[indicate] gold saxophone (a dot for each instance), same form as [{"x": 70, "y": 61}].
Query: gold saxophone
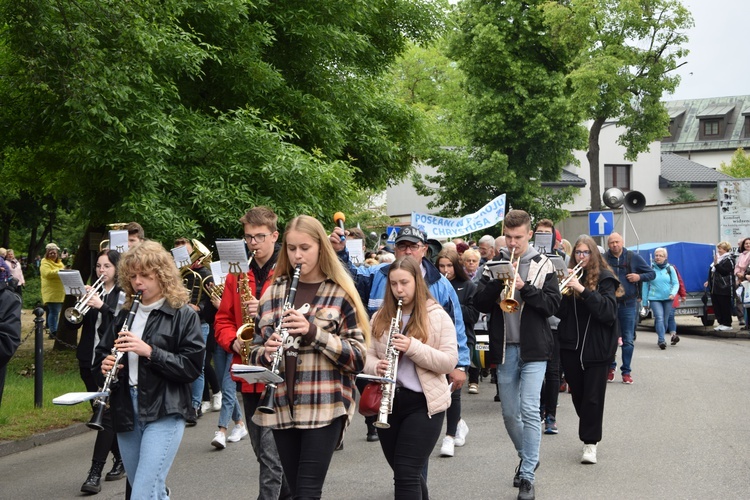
[
  {"x": 389, "y": 388},
  {"x": 246, "y": 332}
]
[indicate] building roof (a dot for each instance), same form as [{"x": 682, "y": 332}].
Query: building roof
[
  {"x": 687, "y": 115},
  {"x": 676, "y": 169},
  {"x": 567, "y": 179}
]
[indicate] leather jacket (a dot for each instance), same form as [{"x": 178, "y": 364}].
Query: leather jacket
[{"x": 164, "y": 380}]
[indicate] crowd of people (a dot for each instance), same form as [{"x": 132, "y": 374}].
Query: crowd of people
[{"x": 318, "y": 318}]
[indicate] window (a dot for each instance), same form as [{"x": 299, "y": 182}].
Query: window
[
  {"x": 617, "y": 176},
  {"x": 710, "y": 128}
]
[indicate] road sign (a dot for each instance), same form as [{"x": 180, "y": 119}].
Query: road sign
[
  {"x": 601, "y": 223},
  {"x": 392, "y": 232}
]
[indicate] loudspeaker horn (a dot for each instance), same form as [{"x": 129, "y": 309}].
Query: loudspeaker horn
[
  {"x": 635, "y": 201},
  {"x": 613, "y": 197}
]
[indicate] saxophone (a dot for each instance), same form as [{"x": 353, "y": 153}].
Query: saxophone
[
  {"x": 246, "y": 331},
  {"x": 389, "y": 388}
]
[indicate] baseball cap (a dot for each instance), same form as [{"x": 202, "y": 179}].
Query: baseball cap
[{"x": 411, "y": 234}]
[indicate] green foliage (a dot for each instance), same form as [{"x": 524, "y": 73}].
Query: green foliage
[
  {"x": 683, "y": 193},
  {"x": 739, "y": 165},
  {"x": 32, "y": 290}
]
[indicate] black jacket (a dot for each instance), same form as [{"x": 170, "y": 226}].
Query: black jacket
[
  {"x": 588, "y": 323},
  {"x": 537, "y": 343},
  {"x": 85, "y": 350},
  {"x": 721, "y": 277},
  {"x": 10, "y": 325},
  {"x": 164, "y": 381}
]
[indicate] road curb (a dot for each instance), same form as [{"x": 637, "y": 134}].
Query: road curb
[{"x": 10, "y": 447}]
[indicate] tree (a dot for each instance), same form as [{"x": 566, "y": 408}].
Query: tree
[
  {"x": 624, "y": 54},
  {"x": 521, "y": 124},
  {"x": 683, "y": 193},
  {"x": 739, "y": 165}
]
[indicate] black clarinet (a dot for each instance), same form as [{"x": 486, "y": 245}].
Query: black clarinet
[
  {"x": 102, "y": 402},
  {"x": 267, "y": 404}
]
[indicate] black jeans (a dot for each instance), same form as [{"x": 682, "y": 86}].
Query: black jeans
[
  {"x": 551, "y": 387},
  {"x": 453, "y": 413},
  {"x": 306, "y": 455},
  {"x": 407, "y": 444},
  {"x": 106, "y": 440},
  {"x": 587, "y": 389},
  {"x": 722, "y": 308}
]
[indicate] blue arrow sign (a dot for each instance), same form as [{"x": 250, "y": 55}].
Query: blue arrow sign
[{"x": 601, "y": 223}]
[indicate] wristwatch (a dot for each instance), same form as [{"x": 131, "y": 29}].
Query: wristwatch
[{"x": 462, "y": 368}]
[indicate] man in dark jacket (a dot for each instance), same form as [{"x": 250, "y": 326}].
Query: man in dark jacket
[
  {"x": 524, "y": 339},
  {"x": 630, "y": 269},
  {"x": 10, "y": 329}
]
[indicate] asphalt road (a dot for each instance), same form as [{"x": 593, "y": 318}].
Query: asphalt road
[{"x": 678, "y": 432}]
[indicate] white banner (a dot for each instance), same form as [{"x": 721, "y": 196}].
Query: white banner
[{"x": 441, "y": 227}]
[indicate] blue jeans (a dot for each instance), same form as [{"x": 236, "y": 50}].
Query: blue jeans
[
  {"x": 519, "y": 384},
  {"x": 626, "y": 315},
  {"x": 53, "y": 315},
  {"x": 671, "y": 323},
  {"x": 197, "y": 385},
  {"x": 661, "y": 310},
  {"x": 148, "y": 452},
  {"x": 229, "y": 405}
]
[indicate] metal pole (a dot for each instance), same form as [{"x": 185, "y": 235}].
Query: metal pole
[{"x": 38, "y": 355}]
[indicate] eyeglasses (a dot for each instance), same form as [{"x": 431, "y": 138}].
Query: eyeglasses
[
  {"x": 408, "y": 246},
  {"x": 259, "y": 238},
  {"x": 583, "y": 253}
]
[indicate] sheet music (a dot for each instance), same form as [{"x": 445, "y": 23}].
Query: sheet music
[
  {"x": 233, "y": 256},
  {"x": 73, "y": 398},
  {"x": 543, "y": 242},
  {"x": 560, "y": 268},
  {"x": 217, "y": 273},
  {"x": 72, "y": 282},
  {"x": 255, "y": 374},
  {"x": 356, "y": 254},
  {"x": 118, "y": 241},
  {"x": 498, "y": 270},
  {"x": 181, "y": 256}
]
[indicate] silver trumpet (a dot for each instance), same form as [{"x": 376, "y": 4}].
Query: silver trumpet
[
  {"x": 389, "y": 388},
  {"x": 76, "y": 313},
  {"x": 577, "y": 272}
]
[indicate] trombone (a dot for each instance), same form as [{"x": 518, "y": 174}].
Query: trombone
[
  {"x": 576, "y": 272},
  {"x": 76, "y": 313},
  {"x": 509, "y": 304}
]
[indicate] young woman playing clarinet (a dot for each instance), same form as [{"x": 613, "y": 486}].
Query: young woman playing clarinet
[
  {"x": 427, "y": 352},
  {"x": 325, "y": 348},
  {"x": 162, "y": 354}
]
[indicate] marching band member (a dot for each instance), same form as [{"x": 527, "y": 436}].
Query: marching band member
[
  {"x": 325, "y": 349},
  {"x": 426, "y": 343},
  {"x": 162, "y": 356}
]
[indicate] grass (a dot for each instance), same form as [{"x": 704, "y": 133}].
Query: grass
[{"x": 19, "y": 418}]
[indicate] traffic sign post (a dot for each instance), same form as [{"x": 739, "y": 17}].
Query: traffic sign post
[
  {"x": 601, "y": 223},
  {"x": 392, "y": 232}
]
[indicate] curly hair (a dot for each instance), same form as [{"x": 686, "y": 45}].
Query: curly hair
[{"x": 151, "y": 258}]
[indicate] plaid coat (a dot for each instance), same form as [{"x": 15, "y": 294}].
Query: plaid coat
[{"x": 326, "y": 367}]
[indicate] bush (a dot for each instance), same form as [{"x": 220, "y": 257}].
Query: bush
[{"x": 32, "y": 292}]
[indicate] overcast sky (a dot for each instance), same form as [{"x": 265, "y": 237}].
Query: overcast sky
[{"x": 717, "y": 65}]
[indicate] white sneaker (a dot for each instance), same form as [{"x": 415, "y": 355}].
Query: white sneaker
[
  {"x": 462, "y": 430},
  {"x": 446, "y": 450},
  {"x": 238, "y": 433},
  {"x": 216, "y": 401},
  {"x": 220, "y": 440},
  {"x": 206, "y": 406},
  {"x": 589, "y": 454}
]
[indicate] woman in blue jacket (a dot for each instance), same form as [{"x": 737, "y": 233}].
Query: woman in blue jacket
[{"x": 659, "y": 293}]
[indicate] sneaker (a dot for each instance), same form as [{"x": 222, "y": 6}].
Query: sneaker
[
  {"x": 526, "y": 490},
  {"x": 238, "y": 433},
  {"x": 662, "y": 345},
  {"x": 220, "y": 440},
  {"x": 517, "y": 477},
  {"x": 675, "y": 339},
  {"x": 725, "y": 328},
  {"x": 446, "y": 450},
  {"x": 462, "y": 430},
  {"x": 192, "y": 417},
  {"x": 216, "y": 401},
  {"x": 589, "y": 454},
  {"x": 206, "y": 407},
  {"x": 627, "y": 379},
  {"x": 473, "y": 388},
  {"x": 611, "y": 375},
  {"x": 550, "y": 425}
]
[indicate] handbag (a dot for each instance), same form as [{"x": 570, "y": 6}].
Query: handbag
[{"x": 369, "y": 400}]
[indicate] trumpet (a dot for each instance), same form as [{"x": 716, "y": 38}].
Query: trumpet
[
  {"x": 389, "y": 388},
  {"x": 509, "y": 304},
  {"x": 76, "y": 313},
  {"x": 576, "y": 272}
]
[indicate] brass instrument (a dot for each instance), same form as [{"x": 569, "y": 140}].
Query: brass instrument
[
  {"x": 389, "y": 388},
  {"x": 193, "y": 281},
  {"x": 577, "y": 271},
  {"x": 76, "y": 313},
  {"x": 117, "y": 226},
  {"x": 200, "y": 254},
  {"x": 213, "y": 290},
  {"x": 246, "y": 331},
  {"x": 100, "y": 404},
  {"x": 267, "y": 404},
  {"x": 509, "y": 304}
]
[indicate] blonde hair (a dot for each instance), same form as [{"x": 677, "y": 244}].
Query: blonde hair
[
  {"x": 151, "y": 258},
  {"x": 471, "y": 253},
  {"x": 328, "y": 262},
  {"x": 724, "y": 245}
]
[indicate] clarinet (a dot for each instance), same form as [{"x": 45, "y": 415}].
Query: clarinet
[
  {"x": 267, "y": 405},
  {"x": 102, "y": 402},
  {"x": 389, "y": 388}
]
